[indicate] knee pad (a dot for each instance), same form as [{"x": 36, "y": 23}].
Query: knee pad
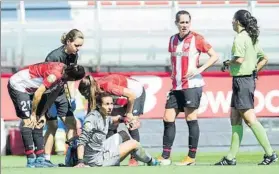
[{"x": 124, "y": 135}]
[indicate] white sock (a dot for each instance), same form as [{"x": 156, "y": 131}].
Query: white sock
[{"x": 47, "y": 157}]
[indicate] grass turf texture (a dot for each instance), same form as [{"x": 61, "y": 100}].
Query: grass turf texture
[{"x": 246, "y": 163}]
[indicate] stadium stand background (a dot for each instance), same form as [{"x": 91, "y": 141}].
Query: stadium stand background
[{"x": 123, "y": 34}]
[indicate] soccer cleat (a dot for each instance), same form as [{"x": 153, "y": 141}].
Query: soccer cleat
[
  {"x": 226, "y": 162},
  {"x": 163, "y": 161},
  {"x": 187, "y": 161},
  {"x": 42, "y": 163},
  {"x": 133, "y": 162},
  {"x": 50, "y": 163},
  {"x": 269, "y": 159},
  {"x": 30, "y": 162}
]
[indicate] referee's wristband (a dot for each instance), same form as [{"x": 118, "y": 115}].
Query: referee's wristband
[{"x": 80, "y": 161}]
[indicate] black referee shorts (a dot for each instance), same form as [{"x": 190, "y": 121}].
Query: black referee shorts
[
  {"x": 243, "y": 92},
  {"x": 63, "y": 107}
]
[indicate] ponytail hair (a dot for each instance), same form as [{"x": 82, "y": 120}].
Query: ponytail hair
[
  {"x": 250, "y": 24},
  {"x": 253, "y": 29},
  {"x": 71, "y": 36},
  {"x": 89, "y": 88}
]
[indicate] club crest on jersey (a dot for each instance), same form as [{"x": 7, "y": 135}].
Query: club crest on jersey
[
  {"x": 51, "y": 78},
  {"x": 186, "y": 45},
  {"x": 87, "y": 126}
]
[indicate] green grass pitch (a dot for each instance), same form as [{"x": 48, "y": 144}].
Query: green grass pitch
[{"x": 247, "y": 164}]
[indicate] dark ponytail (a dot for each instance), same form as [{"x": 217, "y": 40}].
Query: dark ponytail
[
  {"x": 249, "y": 23},
  {"x": 253, "y": 29}
]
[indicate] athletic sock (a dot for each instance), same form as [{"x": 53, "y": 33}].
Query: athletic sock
[
  {"x": 194, "y": 134},
  {"x": 262, "y": 138},
  {"x": 237, "y": 134},
  {"x": 27, "y": 139},
  {"x": 168, "y": 138}
]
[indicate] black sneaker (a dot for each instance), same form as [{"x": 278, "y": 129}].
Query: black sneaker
[
  {"x": 269, "y": 159},
  {"x": 48, "y": 162},
  {"x": 226, "y": 162}
]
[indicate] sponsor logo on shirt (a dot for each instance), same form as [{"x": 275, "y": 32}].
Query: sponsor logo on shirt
[
  {"x": 186, "y": 45},
  {"x": 180, "y": 54},
  {"x": 51, "y": 78}
]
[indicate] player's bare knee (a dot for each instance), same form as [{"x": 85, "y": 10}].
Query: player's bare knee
[
  {"x": 191, "y": 117},
  {"x": 169, "y": 115},
  {"x": 168, "y": 119},
  {"x": 247, "y": 123},
  {"x": 134, "y": 143},
  {"x": 26, "y": 123},
  {"x": 190, "y": 114},
  {"x": 250, "y": 122}
]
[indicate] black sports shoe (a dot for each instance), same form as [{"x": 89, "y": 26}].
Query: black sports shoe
[
  {"x": 49, "y": 163},
  {"x": 269, "y": 159},
  {"x": 226, "y": 162}
]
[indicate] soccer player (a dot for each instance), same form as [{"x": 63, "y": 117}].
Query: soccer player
[
  {"x": 185, "y": 48},
  {"x": 94, "y": 149},
  {"x": 119, "y": 85},
  {"x": 247, "y": 59},
  {"x": 67, "y": 54},
  {"x": 26, "y": 88}
]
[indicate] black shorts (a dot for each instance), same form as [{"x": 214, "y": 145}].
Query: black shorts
[
  {"x": 23, "y": 103},
  {"x": 243, "y": 92},
  {"x": 62, "y": 106},
  {"x": 138, "y": 108},
  {"x": 179, "y": 99}
]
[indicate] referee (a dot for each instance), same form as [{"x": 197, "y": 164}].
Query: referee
[{"x": 247, "y": 59}]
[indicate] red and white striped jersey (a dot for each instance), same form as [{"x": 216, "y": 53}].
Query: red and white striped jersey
[
  {"x": 185, "y": 58},
  {"x": 30, "y": 78},
  {"x": 115, "y": 84}
]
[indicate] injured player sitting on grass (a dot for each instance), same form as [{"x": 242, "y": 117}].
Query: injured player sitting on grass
[{"x": 93, "y": 149}]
